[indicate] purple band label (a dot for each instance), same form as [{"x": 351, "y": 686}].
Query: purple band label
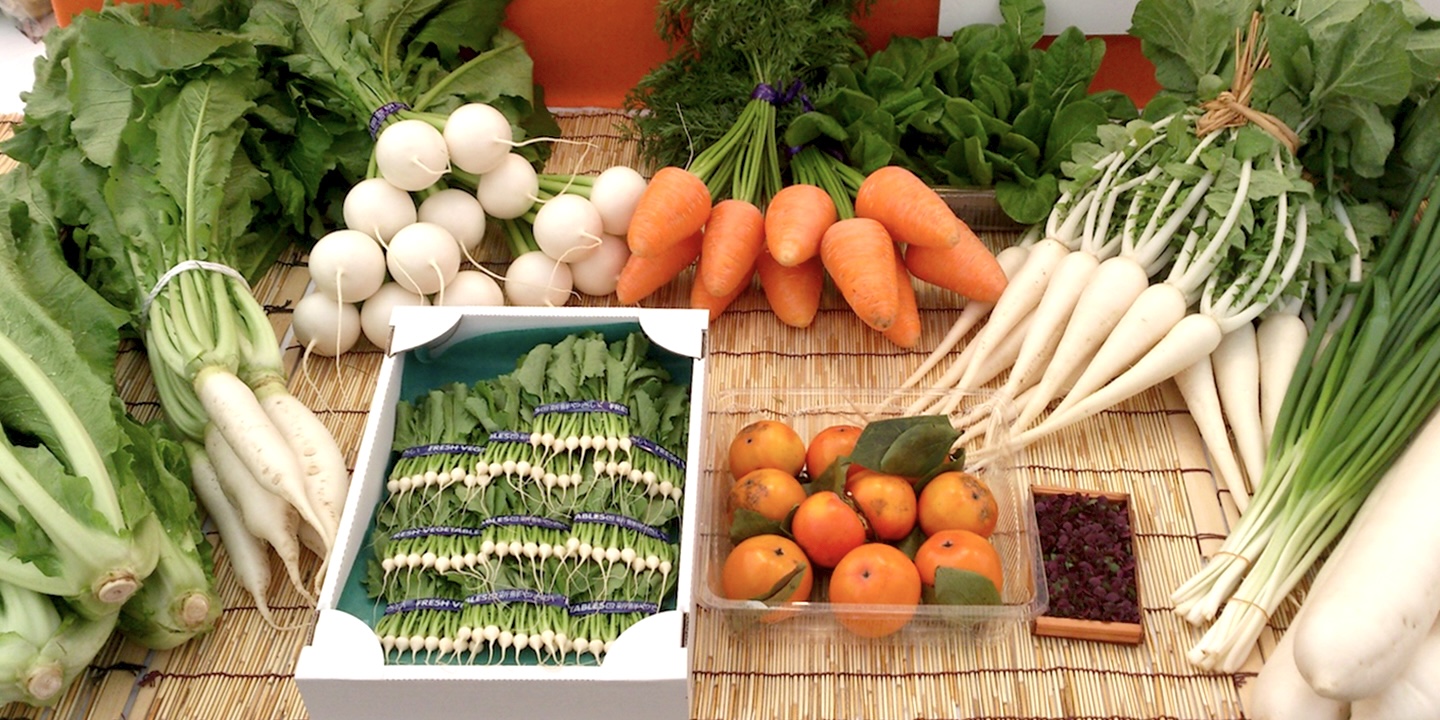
[
  {"x": 441, "y": 449},
  {"x": 435, "y": 531},
  {"x": 613, "y": 607},
  {"x": 383, "y": 113},
  {"x": 524, "y": 520},
  {"x": 419, "y": 604},
  {"x": 518, "y": 595},
  {"x": 651, "y": 447},
  {"x": 509, "y": 436},
  {"x": 583, "y": 406},
  {"x": 621, "y": 521}
]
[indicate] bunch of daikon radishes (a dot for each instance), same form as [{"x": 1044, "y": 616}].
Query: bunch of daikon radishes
[{"x": 565, "y": 232}]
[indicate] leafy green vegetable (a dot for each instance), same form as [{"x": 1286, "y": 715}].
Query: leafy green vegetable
[{"x": 983, "y": 108}]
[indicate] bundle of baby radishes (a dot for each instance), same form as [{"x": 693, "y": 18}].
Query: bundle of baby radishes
[{"x": 414, "y": 230}]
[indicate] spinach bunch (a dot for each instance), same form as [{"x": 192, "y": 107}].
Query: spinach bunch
[{"x": 983, "y": 108}]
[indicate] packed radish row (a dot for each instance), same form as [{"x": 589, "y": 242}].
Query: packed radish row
[
  {"x": 536, "y": 514},
  {"x": 414, "y": 230}
]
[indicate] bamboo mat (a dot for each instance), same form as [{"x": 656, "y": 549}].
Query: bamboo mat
[{"x": 1147, "y": 447}]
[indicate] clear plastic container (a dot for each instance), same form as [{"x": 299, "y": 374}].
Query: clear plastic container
[{"x": 809, "y": 411}]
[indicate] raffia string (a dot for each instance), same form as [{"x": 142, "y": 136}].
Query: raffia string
[{"x": 1232, "y": 107}]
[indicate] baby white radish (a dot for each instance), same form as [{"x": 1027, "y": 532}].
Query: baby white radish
[
  {"x": 325, "y": 326},
  {"x": 1197, "y": 387},
  {"x": 1414, "y": 695},
  {"x": 1280, "y": 341},
  {"x": 248, "y": 558},
  {"x": 378, "y": 209},
  {"x": 1049, "y": 318},
  {"x": 423, "y": 257},
  {"x": 615, "y": 192},
  {"x": 327, "y": 476},
  {"x": 459, "y": 213},
  {"x": 348, "y": 265},
  {"x": 1112, "y": 290},
  {"x": 235, "y": 411},
  {"x": 472, "y": 288},
  {"x": 1237, "y": 377},
  {"x": 266, "y": 515},
  {"x": 375, "y": 313},
  {"x": 411, "y": 155},
  {"x": 1021, "y": 296},
  {"x": 599, "y": 273},
  {"x": 478, "y": 137},
  {"x": 1363, "y": 627},
  {"x": 509, "y": 190},
  {"x": 536, "y": 279},
  {"x": 567, "y": 228}
]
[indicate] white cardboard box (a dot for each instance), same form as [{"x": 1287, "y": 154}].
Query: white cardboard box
[{"x": 341, "y": 673}]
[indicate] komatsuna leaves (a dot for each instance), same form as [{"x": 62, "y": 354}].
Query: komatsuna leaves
[
  {"x": 1187, "y": 39},
  {"x": 1075, "y": 122},
  {"x": 1028, "y": 203},
  {"x": 1026, "y": 18}
]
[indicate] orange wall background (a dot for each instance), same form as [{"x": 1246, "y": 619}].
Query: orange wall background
[{"x": 588, "y": 54}]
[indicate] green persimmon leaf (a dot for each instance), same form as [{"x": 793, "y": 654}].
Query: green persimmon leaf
[
  {"x": 785, "y": 587},
  {"x": 918, "y": 449},
  {"x": 954, "y": 586},
  {"x": 747, "y": 524},
  {"x": 1028, "y": 204},
  {"x": 911, "y": 543},
  {"x": 879, "y": 435}
]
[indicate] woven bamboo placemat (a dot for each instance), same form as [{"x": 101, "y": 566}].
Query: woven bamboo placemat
[{"x": 1147, "y": 447}]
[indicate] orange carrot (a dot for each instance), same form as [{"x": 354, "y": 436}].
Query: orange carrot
[
  {"x": 701, "y": 299},
  {"x": 734, "y": 237},
  {"x": 908, "y": 208},
  {"x": 969, "y": 268},
  {"x": 673, "y": 207},
  {"x": 793, "y": 292},
  {"x": 795, "y": 220},
  {"x": 642, "y": 276},
  {"x": 860, "y": 257},
  {"x": 906, "y": 330}
]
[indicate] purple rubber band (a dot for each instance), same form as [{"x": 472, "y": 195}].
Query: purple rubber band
[{"x": 379, "y": 117}]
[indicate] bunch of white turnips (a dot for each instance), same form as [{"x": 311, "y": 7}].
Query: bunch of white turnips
[{"x": 394, "y": 252}]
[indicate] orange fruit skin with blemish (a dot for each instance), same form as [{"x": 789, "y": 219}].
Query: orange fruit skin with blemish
[
  {"x": 957, "y": 500},
  {"x": 888, "y": 503},
  {"x": 766, "y": 444},
  {"x": 770, "y": 492}
]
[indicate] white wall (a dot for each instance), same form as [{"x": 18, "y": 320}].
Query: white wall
[{"x": 1097, "y": 17}]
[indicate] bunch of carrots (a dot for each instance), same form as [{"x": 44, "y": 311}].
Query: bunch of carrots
[{"x": 897, "y": 228}]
